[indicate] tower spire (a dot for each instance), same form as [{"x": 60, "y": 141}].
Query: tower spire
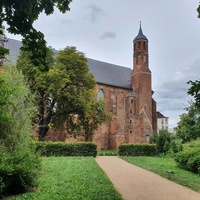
[{"x": 140, "y": 34}]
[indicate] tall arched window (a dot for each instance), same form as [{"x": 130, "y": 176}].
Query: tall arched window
[
  {"x": 139, "y": 45},
  {"x": 100, "y": 94},
  {"x": 144, "y": 46}
]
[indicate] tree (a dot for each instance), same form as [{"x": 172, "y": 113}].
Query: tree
[
  {"x": 20, "y": 17},
  {"x": 3, "y": 50},
  {"x": 194, "y": 91},
  {"x": 198, "y": 10},
  {"x": 19, "y": 165},
  {"x": 189, "y": 125},
  {"x": 64, "y": 94}
]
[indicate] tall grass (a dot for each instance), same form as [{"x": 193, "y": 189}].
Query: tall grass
[
  {"x": 74, "y": 178},
  {"x": 167, "y": 168}
]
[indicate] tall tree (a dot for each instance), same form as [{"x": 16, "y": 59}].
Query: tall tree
[
  {"x": 19, "y": 165},
  {"x": 20, "y": 16},
  {"x": 189, "y": 125},
  {"x": 194, "y": 91},
  {"x": 65, "y": 93},
  {"x": 3, "y": 50}
]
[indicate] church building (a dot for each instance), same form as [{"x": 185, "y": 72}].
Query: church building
[{"x": 127, "y": 94}]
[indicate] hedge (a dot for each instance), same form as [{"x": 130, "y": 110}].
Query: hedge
[
  {"x": 137, "y": 150},
  {"x": 189, "y": 158},
  {"x": 66, "y": 149}
]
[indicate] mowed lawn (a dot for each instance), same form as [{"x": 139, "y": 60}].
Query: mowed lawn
[
  {"x": 74, "y": 178},
  {"x": 167, "y": 168}
]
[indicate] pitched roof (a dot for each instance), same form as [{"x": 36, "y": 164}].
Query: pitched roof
[
  {"x": 109, "y": 74},
  {"x": 104, "y": 73},
  {"x": 159, "y": 115}
]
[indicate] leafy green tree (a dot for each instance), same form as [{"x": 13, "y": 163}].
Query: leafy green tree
[
  {"x": 19, "y": 165},
  {"x": 162, "y": 141},
  {"x": 198, "y": 10},
  {"x": 20, "y": 17},
  {"x": 194, "y": 91},
  {"x": 189, "y": 125},
  {"x": 166, "y": 142},
  {"x": 65, "y": 94},
  {"x": 3, "y": 50}
]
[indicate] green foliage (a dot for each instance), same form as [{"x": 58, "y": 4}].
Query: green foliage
[
  {"x": 189, "y": 158},
  {"x": 194, "y": 91},
  {"x": 66, "y": 149},
  {"x": 3, "y": 50},
  {"x": 165, "y": 142},
  {"x": 107, "y": 152},
  {"x": 20, "y": 17},
  {"x": 189, "y": 125},
  {"x": 18, "y": 171},
  {"x": 137, "y": 150},
  {"x": 65, "y": 94},
  {"x": 198, "y": 10},
  {"x": 18, "y": 163}
]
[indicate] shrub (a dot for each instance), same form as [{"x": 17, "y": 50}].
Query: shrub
[
  {"x": 66, "y": 149},
  {"x": 19, "y": 165},
  {"x": 189, "y": 157},
  {"x": 18, "y": 171},
  {"x": 137, "y": 150},
  {"x": 166, "y": 142}
]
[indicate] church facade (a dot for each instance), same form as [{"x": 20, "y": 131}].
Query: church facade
[{"x": 127, "y": 94}]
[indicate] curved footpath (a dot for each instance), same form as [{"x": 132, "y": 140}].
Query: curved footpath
[{"x": 135, "y": 183}]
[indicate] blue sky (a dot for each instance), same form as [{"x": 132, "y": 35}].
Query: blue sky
[{"x": 104, "y": 30}]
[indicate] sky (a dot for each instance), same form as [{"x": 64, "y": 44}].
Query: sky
[{"x": 104, "y": 30}]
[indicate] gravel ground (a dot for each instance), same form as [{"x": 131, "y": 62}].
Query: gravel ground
[{"x": 135, "y": 183}]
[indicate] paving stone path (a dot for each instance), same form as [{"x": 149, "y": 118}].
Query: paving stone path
[{"x": 135, "y": 183}]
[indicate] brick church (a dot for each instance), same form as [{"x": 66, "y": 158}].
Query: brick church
[{"x": 127, "y": 94}]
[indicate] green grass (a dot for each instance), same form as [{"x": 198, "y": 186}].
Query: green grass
[
  {"x": 107, "y": 152},
  {"x": 163, "y": 165},
  {"x": 74, "y": 178}
]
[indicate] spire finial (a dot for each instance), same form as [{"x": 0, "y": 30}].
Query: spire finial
[{"x": 140, "y": 34}]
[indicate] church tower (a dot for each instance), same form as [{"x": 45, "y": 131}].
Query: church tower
[{"x": 141, "y": 84}]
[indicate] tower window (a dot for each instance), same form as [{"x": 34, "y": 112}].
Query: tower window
[
  {"x": 139, "y": 45},
  {"x": 131, "y": 100},
  {"x": 144, "y": 46},
  {"x": 131, "y": 111}
]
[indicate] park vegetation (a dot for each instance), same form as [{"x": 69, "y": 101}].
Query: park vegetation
[{"x": 60, "y": 92}]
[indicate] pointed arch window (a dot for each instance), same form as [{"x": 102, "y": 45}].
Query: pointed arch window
[
  {"x": 139, "y": 45},
  {"x": 144, "y": 46},
  {"x": 100, "y": 94}
]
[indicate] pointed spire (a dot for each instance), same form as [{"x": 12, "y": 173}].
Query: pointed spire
[{"x": 140, "y": 35}]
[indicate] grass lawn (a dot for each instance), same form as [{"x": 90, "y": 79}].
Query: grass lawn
[
  {"x": 74, "y": 178},
  {"x": 163, "y": 166}
]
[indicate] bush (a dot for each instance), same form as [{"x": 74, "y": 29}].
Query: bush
[
  {"x": 166, "y": 142},
  {"x": 66, "y": 149},
  {"x": 137, "y": 150},
  {"x": 19, "y": 165},
  {"x": 189, "y": 157},
  {"x": 18, "y": 171}
]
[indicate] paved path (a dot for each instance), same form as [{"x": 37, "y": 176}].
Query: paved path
[{"x": 135, "y": 183}]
